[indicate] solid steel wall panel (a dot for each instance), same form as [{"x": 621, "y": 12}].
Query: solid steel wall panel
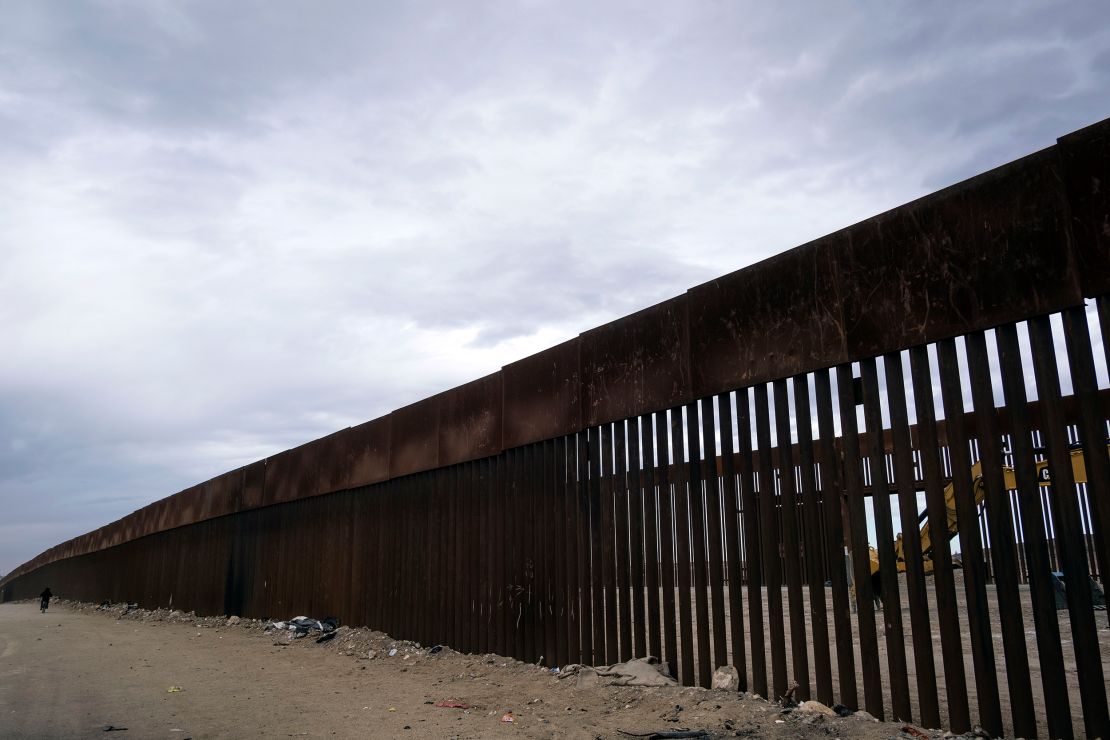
[
  {"x": 370, "y": 444},
  {"x": 1085, "y": 161},
  {"x": 638, "y": 363},
  {"x": 542, "y": 395},
  {"x": 254, "y": 485},
  {"x": 334, "y": 456},
  {"x": 470, "y": 421},
  {"x": 776, "y": 318},
  {"x": 291, "y": 475},
  {"x": 414, "y": 441},
  {"x": 968, "y": 257}
]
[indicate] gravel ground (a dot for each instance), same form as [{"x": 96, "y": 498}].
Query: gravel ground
[{"x": 80, "y": 670}]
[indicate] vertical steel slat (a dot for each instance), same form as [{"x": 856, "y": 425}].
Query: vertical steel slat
[
  {"x": 572, "y": 539},
  {"x": 667, "y": 544},
  {"x": 526, "y": 526},
  {"x": 597, "y": 561},
  {"x": 1065, "y": 515},
  {"x": 697, "y": 544},
  {"x": 621, "y": 522},
  {"x": 608, "y": 555},
  {"x": 548, "y": 530},
  {"x": 458, "y": 533},
  {"x": 1047, "y": 627},
  {"x": 924, "y": 667},
  {"x": 559, "y": 615},
  {"x": 683, "y": 555},
  {"x": 811, "y": 509},
  {"x": 713, "y": 531},
  {"x": 1003, "y": 549},
  {"x": 478, "y": 479},
  {"x": 753, "y": 560},
  {"x": 772, "y": 577},
  {"x": 535, "y": 544},
  {"x": 799, "y": 644},
  {"x": 502, "y": 524},
  {"x": 514, "y": 616},
  {"x": 1092, "y": 432},
  {"x": 651, "y": 537},
  {"x": 731, "y": 526},
  {"x": 857, "y": 534},
  {"x": 490, "y": 535},
  {"x": 446, "y": 558},
  {"x": 884, "y": 532},
  {"x": 585, "y": 578},
  {"x": 951, "y": 644},
  {"x": 636, "y": 530},
  {"x": 982, "y": 645},
  {"x": 573, "y": 554}
]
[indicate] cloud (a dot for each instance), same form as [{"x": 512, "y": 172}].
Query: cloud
[{"x": 228, "y": 229}]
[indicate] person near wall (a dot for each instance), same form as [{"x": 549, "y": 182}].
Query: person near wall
[{"x": 44, "y": 599}]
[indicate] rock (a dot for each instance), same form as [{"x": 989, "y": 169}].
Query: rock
[
  {"x": 725, "y": 678},
  {"x": 815, "y": 707},
  {"x": 863, "y": 716},
  {"x": 372, "y": 654},
  {"x": 232, "y": 620}
]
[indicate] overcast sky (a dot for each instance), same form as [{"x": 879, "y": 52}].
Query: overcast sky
[{"x": 229, "y": 228}]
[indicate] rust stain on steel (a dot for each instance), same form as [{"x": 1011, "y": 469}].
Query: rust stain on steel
[
  {"x": 470, "y": 421},
  {"x": 542, "y": 397},
  {"x": 415, "y": 437},
  {"x": 290, "y": 475},
  {"x": 254, "y": 484},
  {"x": 1085, "y": 160},
  {"x": 223, "y": 494},
  {"x": 369, "y": 444},
  {"x": 968, "y": 257},
  {"x": 776, "y": 318},
  {"x": 334, "y": 456},
  {"x": 635, "y": 364}
]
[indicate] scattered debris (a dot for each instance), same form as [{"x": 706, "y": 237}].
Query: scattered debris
[
  {"x": 452, "y": 704},
  {"x": 911, "y": 730},
  {"x": 508, "y": 717},
  {"x": 667, "y": 734},
  {"x": 301, "y": 626},
  {"x": 816, "y": 707},
  {"x": 726, "y": 678},
  {"x": 174, "y": 690},
  {"x": 113, "y": 728},
  {"x": 647, "y": 671}
]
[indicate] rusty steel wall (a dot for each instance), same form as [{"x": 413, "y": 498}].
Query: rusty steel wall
[
  {"x": 1024, "y": 239},
  {"x": 683, "y": 481}
]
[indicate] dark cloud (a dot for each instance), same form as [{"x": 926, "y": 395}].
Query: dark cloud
[{"x": 228, "y": 228}]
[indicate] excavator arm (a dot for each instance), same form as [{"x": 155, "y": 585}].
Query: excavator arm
[{"x": 1079, "y": 471}]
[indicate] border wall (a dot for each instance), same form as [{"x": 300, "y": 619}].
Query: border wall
[{"x": 701, "y": 480}]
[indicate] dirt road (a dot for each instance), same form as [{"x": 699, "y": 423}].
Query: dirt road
[{"x": 73, "y": 672}]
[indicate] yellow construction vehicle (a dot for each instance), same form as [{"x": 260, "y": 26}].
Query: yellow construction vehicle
[{"x": 1078, "y": 469}]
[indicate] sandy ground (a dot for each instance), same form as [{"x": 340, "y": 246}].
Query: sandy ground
[
  {"x": 1025, "y": 598},
  {"x": 75, "y": 671}
]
